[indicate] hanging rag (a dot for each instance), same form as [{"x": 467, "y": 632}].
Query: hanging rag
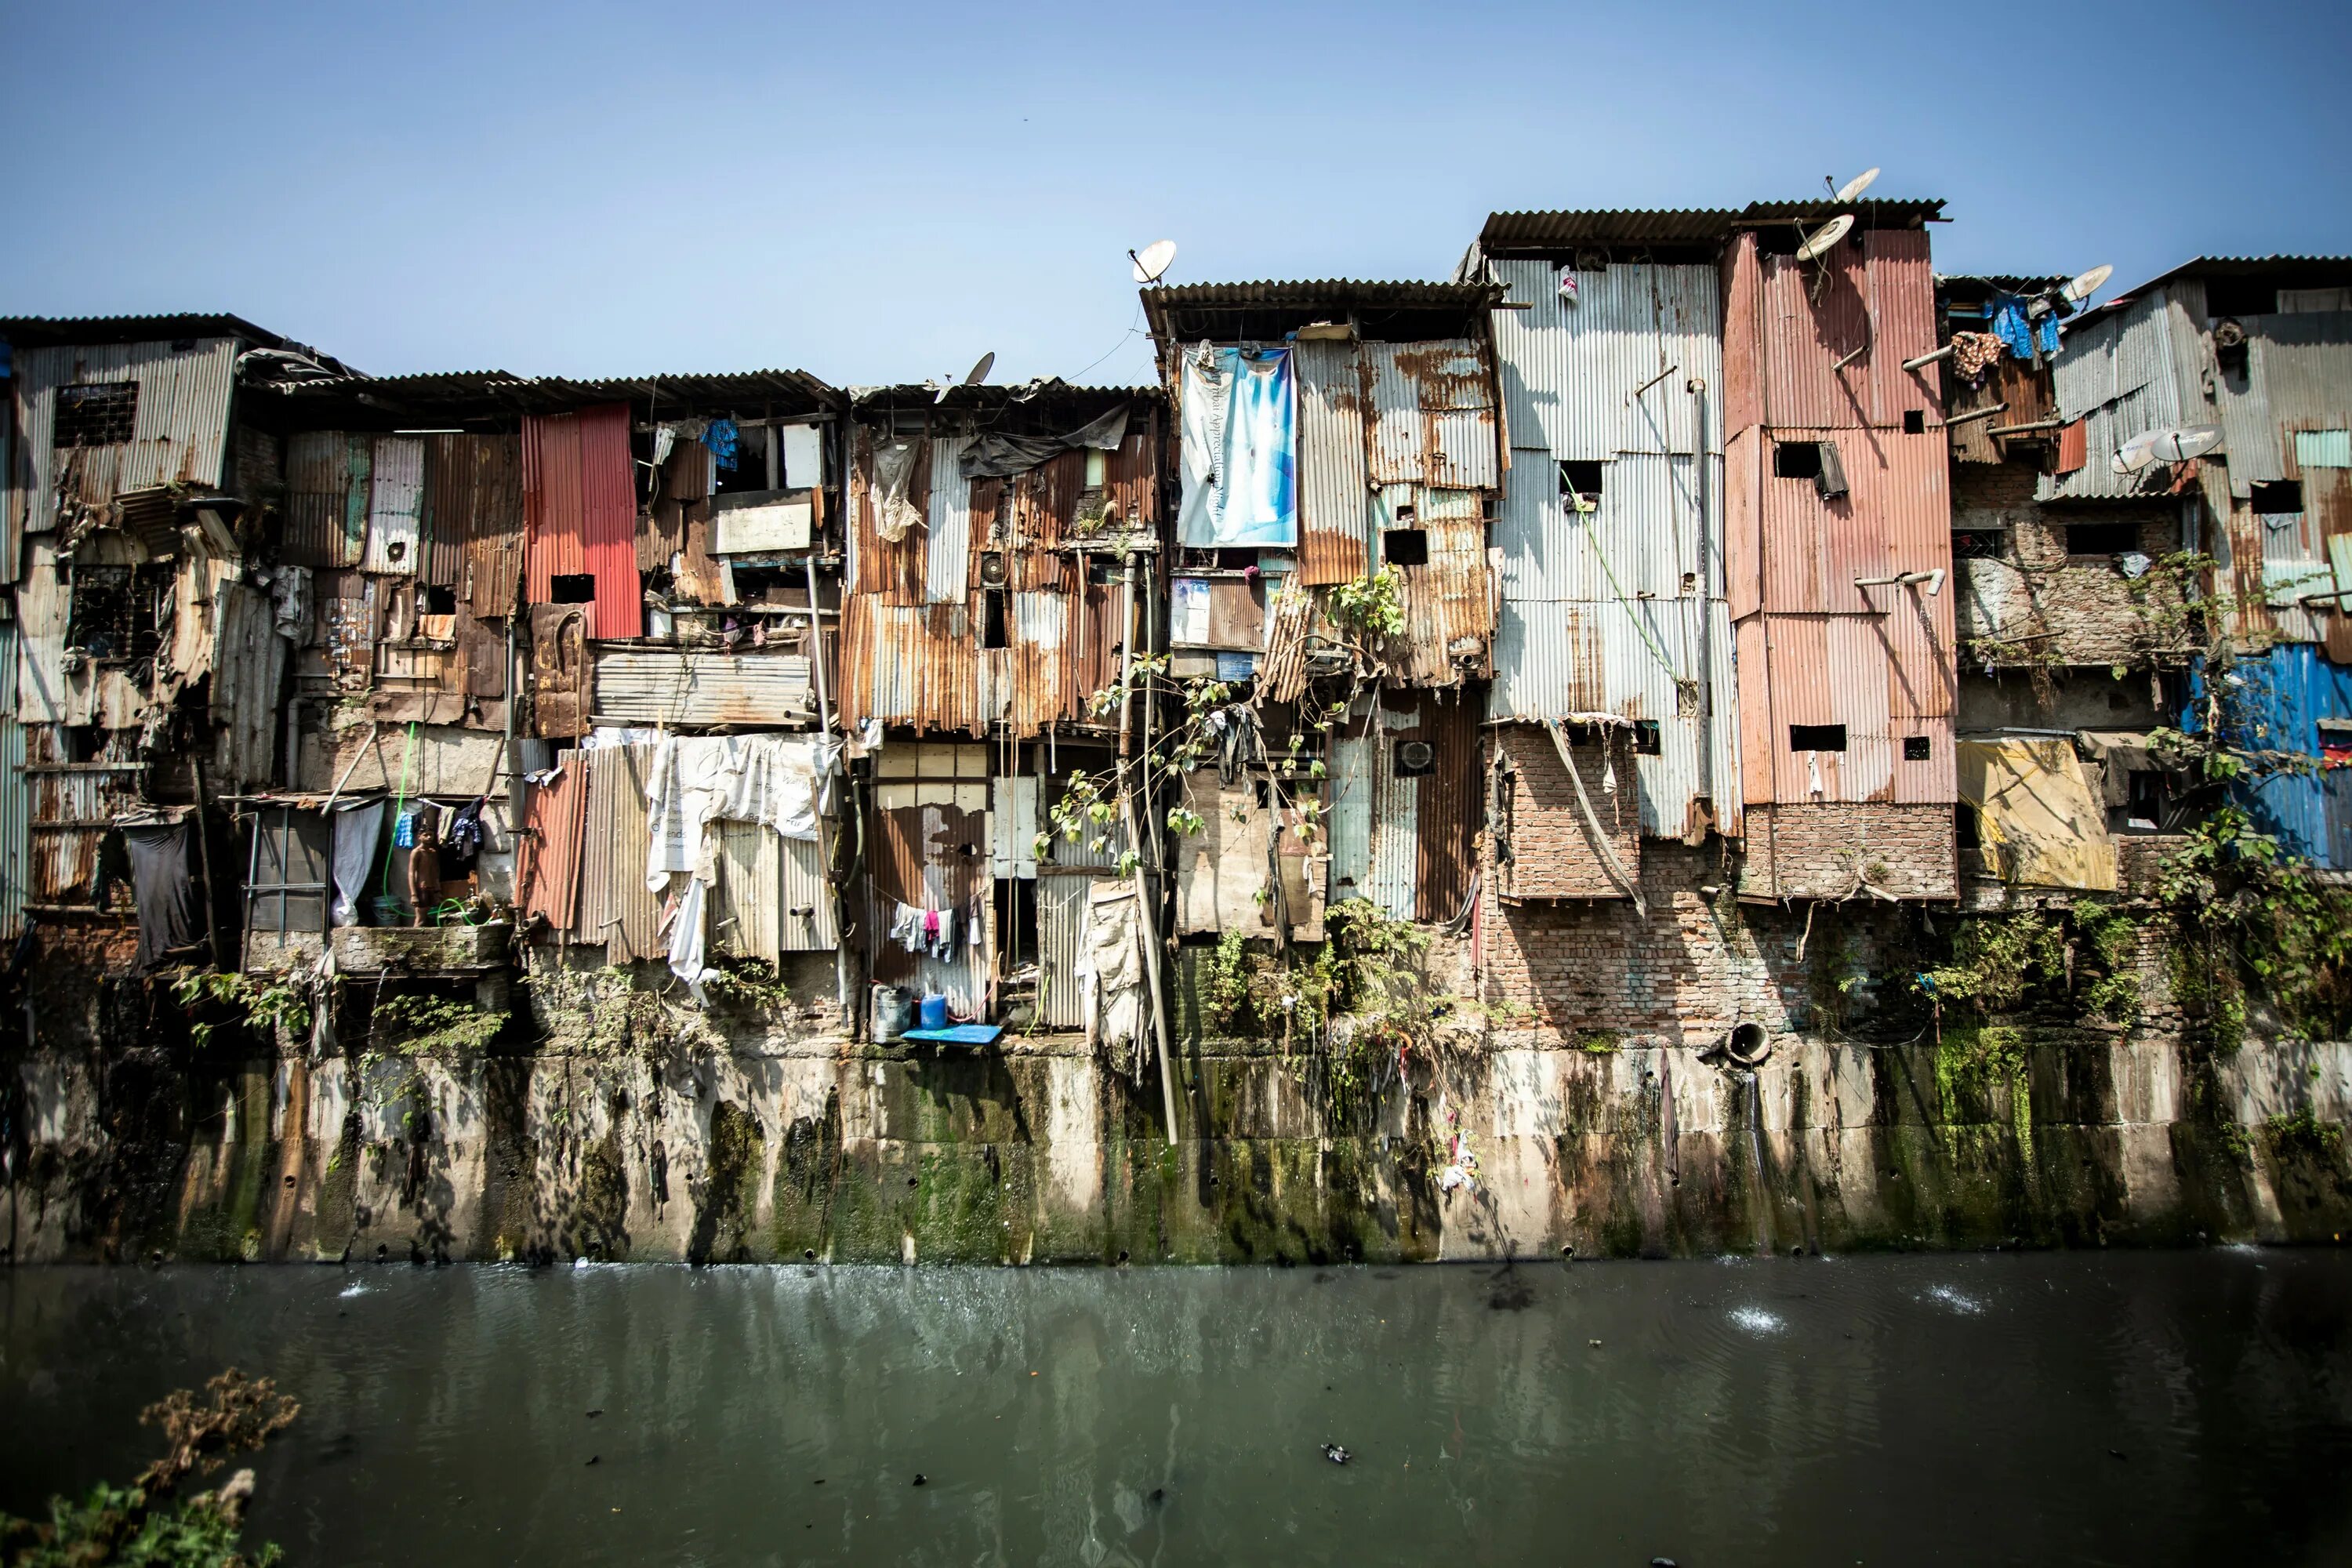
[
  {"x": 1973, "y": 353},
  {"x": 990, "y": 456},
  {"x": 1110, "y": 973},
  {"x": 1238, "y": 455},
  {"x": 2013, "y": 326},
  {"x": 358, "y": 826},
  {"x": 1830, "y": 483},
  {"x": 466, "y": 835},
  {"x": 906, "y": 927},
  {"x": 724, "y": 441},
  {"x": 169, "y": 919},
  {"x": 895, "y": 463}
]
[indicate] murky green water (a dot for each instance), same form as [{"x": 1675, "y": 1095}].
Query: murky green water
[{"x": 2129, "y": 1409}]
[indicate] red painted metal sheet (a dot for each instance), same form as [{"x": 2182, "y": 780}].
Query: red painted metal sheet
[
  {"x": 555, "y": 821},
  {"x": 1871, "y": 308},
  {"x": 580, "y": 512},
  {"x": 892, "y": 573},
  {"x": 1744, "y": 457},
  {"x": 615, "y": 907},
  {"x": 1896, "y": 518},
  {"x": 1448, "y": 816},
  {"x": 1743, "y": 337}
]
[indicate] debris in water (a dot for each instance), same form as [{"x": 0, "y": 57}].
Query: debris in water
[
  {"x": 1662, "y": 1563},
  {"x": 1159, "y": 1496},
  {"x": 592, "y": 1458},
  {"x": 595, "y": 1413},
  {"x": 1336, "y": 1454},
  {"x": 921, "y": 1478},
  {"x": 1594, "y": 1343}
]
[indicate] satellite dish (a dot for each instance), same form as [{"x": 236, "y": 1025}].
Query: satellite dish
[
  {"x": 979, "y": 371},
  {"x": 1828, "y": 235},
  {"x": 1153, "y": 260},
  {"x": 2088, "y": 284},
  {"x": 2135, "y": 454},
  {"x": 2183, "y": 442},
  {"x": 1856, "y": 185}
]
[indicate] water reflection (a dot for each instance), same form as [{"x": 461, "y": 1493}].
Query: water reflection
[{"x": 2141, "y": 1408}]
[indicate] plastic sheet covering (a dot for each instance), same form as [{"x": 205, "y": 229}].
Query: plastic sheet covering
[
  {"x": 2042, "y": 825},
  {"x": 1239, "y": 449},
  {"x": 1110, "y": 973}
]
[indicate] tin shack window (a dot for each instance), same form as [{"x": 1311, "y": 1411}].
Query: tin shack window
[
  {"x": 287, "y": 889},
  {"x": 94, "y": 413},
  {"x": 115, "y": 610}
]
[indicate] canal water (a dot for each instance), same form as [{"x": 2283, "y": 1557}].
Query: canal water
[{"x": 2038, "y": 1408}]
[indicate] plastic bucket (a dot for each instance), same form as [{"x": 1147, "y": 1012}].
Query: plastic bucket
[{"x": 935, "y": 1012}]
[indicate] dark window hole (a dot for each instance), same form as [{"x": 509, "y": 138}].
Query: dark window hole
[
  {"x": 1406, "y": 547},
  {"x": 1817, "y": 737},
  {"x": 1646, "y": 739},
  {"x": 1916, "y": 749},
  {"x": 1797, "y": 460},
  {"x": 2276, "y": 498},
  {"x": 94, "y": 413},
  {"x": 2101, "y": 538},
  {"x": 571, "y": 588},
  {"x": 993, "y": 607},
  {"x": 1915, "y": 422}
]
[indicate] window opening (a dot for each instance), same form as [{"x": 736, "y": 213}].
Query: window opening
[
  {"x": 1817, "y": 737},
  {"x": 1406, "y": 547},
  {"x": 1977, "y": 543},
  {"x": 1580, "y": 483},
  {"x": 1915, "y": 422},
  {"x": 2101, "y": 538},
  {"x": 2277, "y": 498},
  {"x": 1916, "y": 749},
  {"x": 1795, "y": 459},
  {"x": 571, "y": 588},
  {"x": 1647, "y": 740},
  {"x": 94, "y": 413},
  {"x": 439, "y": 601},
  {"x": 2240, "y": 296},
  {"x": 993, "y": 619}
]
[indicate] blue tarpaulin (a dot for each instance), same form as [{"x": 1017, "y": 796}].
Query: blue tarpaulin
[
  {"x": 1240, "y": 450},
  {"x": 2274, "y": 703}
]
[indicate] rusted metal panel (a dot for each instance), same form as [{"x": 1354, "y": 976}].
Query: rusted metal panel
[
  {"x": 248, "y": 672},
  {"x": 318, "y": 496},
  {"x": 1222, "y": 871},
  {"x": 71, "y": 808},
  {"x": 1555, "y": 849},
  {"x": 474, "y": 507},
  {"x": 743, "y": 910},
  {"x": 1896, "y": 518},
  {"x": 1647, "y": 535},
  {"x": 1431, "y": 417},
  {"x": 1449, "y": 602},
  {"x": 684, "y": 493},
  {"x": 560, "y": 672},
  {"x": 1610, "y": 370},
  {"x": 1814, "y": 671},
  {"x": 1446, "y": 814},
  {"x": 617, "y": 908},
  {"x": 695, "y": 689},
  {"x": 895, "y": 573},
  {"x": 580, "y": 512},
  {"x": 15, "y": 797},
  {"x": 177, "y": 429},
  {"x": 555, "y": 821},
  {"x": 807, "y": 919},
  {"x": 2025, "y": 396},
  {"x": 1044, "y": 513},
  {"x": 911, "y": 664},
  {"x": 1335, "y": 498},
  {"x": 395, "y": 506},
  {"x": 44, "y": 605}
]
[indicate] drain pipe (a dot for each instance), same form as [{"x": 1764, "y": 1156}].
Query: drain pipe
[{"x": 841, "y": 986}]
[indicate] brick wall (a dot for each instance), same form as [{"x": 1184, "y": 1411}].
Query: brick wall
[
  {"x": 2053, "y": 607},
  {"x": 1829, "y": 850},
  {"x": 1552, "y": 851},
  {"x": 1683, "y": 974}
]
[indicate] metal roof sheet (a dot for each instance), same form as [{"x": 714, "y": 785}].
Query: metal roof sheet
[
  {"x": 1607, "y": 226},
  {"x": 49, "y": 332},
  {"x": 1271, "y": 308}
]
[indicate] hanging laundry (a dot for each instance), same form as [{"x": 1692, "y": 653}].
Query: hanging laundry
[
  {"x": 895, "y": 463},
  {"x": 171, "y": 920},
  {"x": 1239, "y": 449},
  {"x": 2015, "y": 326},
  {"x": 1973, "y": 353},
  {"x": 724, "y": 441}
]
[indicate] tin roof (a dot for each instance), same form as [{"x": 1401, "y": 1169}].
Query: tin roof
[
  {"x": 499, "y": 393},
  {"x": 1401, "y": 311},
  {"x": 1606, "y": 227},
  {"x": 58, "y": 332}
]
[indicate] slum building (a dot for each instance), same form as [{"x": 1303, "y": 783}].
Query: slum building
[
  {"x": 2074, "y": 628},
  {"x": 2256, "y": 347},
  {"x": 541, "y": 610},
  {"x": 1003, "y": 546},
  {"x": 1838, "y": 514},
  {"x": 1340, "y": 465},
  {"x": 152, "y": 628}
]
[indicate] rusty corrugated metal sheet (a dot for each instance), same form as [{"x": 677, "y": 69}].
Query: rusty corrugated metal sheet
[
  {"x": 179, "y": 430},
  {"x": 474, "y": 520},
  {"x": 1876, "y": 303},
  {"x": 2024, "y": 394},
  {"x": 2116, "y": 372},
  {"x": 916, "y": 853},
  {"x": 72, "y": 808},
  {"x": 1847, "y": 671},
  {"x": 910, "y": 664},
  {"x": 1448, "y": 814},
  {"x": 248, "y": 672},
  {"x": 1335, "y": 501},
  {"x": 1061, "y": 932},
  {"x": 617, "y": 908},
  {"x": 743, "y": 912},
  {"x": 580, "y": 512},
  {"x": 319, "y": 473},
  {"x": 948, "y": 570},
  {"x": 1430, "y": 407},
  {"x": 395, "y": 514},
  {"x": 693, "y": 689},
  {"x": 1801, "y": 554},
  {"x": 1448, "y": 602},
  {"x": 554, "y": 823},
  {"x": 892, "y": 573},
  {"x": 15, "y": 797}
]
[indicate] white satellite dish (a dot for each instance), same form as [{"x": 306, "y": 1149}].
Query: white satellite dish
[
  {"x": 2182, "y": 442},
  {"x": 1856, "y": 185},
  {"x": 979, "y": 371},
  {"x": 1828, "y": 235},
  {"x": 2088, "y": 284},
  {"x": 2135, "y": 454},
  {"x": 1153, "y": 260}
]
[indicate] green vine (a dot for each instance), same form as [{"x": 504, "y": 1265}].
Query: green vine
[{"x": 272, "y": 1007}]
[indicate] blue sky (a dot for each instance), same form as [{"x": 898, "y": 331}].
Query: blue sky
[{"x": 881, "y": 194}]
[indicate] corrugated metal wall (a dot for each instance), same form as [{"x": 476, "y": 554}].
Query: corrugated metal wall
[
  {"x": 474, "y": 518},
  {"x": 693, "y": 689},
  {"x": 947, "y": 547},
  {"x": 1432, "y": 415},
  {"x": 2116, "y": 373},
  {"x": 322, "y": 468},
  {"x": 178, "y": 432},
  {"x": 580, "y": 512},
  {"x": 1874, "y": 309},
  {"x": 2276, "y": 703},
  {"x": 15, "y": 797},
  {"x": 617, "y": 908},
  {"x": 554, "y": 823},
  {"x": 1569, "y": 372},
  {"x": 1335, "y": 501},
  {"x": 395, "y": 513},
  {"x": 1061, "y": 935}
]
